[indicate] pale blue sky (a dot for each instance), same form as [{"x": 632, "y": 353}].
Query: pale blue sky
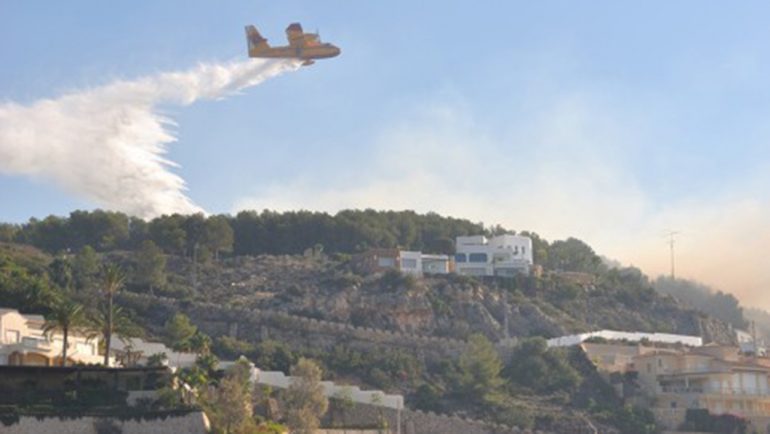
[
  {"x": 659, "y": 108},
  {"x": 692, "y": 70}
]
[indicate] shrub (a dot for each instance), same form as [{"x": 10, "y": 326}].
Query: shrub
[
  {"x": 535, "y": 367},
  {"x": 230, "y": 348}
]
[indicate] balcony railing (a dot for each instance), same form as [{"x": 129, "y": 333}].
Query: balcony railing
[
  {"x": 715, "y": 391},
  {"x": 37, "y": 343}
]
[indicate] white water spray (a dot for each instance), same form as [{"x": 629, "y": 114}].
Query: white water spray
[{"x": 108, "y": 143}]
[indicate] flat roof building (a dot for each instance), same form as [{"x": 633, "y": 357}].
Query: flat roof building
[
  {"x": 503, "y": 255},
  {"x": 406, "y": 261}
]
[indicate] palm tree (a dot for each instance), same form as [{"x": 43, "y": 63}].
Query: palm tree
[
  {"x": 112, "y": 282},
  {"x": 199, "y": 343},
  {"x": 64, "y": 316},
  {"x": 122, "y": 324}
]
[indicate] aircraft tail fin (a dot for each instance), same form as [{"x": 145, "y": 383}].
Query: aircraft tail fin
[{"x": 255, "y": 40}]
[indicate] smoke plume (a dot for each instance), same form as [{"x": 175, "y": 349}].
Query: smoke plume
[{"x": 108, "y": 143}]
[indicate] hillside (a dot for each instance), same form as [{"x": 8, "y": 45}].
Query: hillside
[
  {"x": 419, "y": 337},
  {"x": 449, "y": 306}
]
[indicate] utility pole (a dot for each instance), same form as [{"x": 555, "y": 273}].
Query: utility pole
[
  {"x": 671, "y": 241},
  {"x": 506, "y": 333}
]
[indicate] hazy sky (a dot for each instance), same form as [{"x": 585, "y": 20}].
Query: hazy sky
[{"x": 606, "y": 121}]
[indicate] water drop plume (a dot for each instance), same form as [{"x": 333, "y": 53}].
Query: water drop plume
[{"x": 108, "y": 144}]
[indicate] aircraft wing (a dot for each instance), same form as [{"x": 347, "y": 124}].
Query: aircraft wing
[{"x": 295, "y": 35}]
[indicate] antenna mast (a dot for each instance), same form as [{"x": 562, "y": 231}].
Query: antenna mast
[{"x": 671, "y": 241}]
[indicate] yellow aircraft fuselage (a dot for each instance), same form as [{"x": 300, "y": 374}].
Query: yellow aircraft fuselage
[
  {"x": 302, "y": 46},
  {"x": 322, "y": 51}
]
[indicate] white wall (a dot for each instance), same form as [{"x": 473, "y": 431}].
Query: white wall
[
  {"x": 471, "y": 240},
  {"x": 566, "y": 341},
  {"x": 195, "y": 422},
  {"x": 174, "y": 359},
  {"x": 374, "y": 397},
  {"x": 411, "y": 262},
  {"x": 12, "y": 323}
]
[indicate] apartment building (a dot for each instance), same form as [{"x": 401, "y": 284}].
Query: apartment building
[
  {"x": 676, "y": 378},
  {"x": 716, "y": 378},
  {"x": 22, "y": 342},
  {"x": 503, "y": 255}
]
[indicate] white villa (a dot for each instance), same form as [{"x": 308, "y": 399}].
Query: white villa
[
  {"x": 377, "y": 398},
  {"x": 137, "y": 352},
  {"x": 504, "y": 255},
  {"x": 22, "y": 342},
  {"x": 408, "y": 262}
]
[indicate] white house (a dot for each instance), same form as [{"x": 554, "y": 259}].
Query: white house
[
  {"x": 436, "y": 264},
  {"x": 373, "y": 397},
  {"x": 503, "y": 255},
  {"x": 408, "y": 262},
  {"x": 411, "y": 262},
  {"x": 22, "y": 342},
  {"x": 135, "y": 351}
]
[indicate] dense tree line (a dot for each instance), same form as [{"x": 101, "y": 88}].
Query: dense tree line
[
  {"x": 247, "y": 233},
  {"x": 276, "y": 233},
  {"x": 715, "y": 303},
  {"x": 105, "y": 231},
  {"x": 569, "y": 255},
  {"x": 347, "y": 232}
]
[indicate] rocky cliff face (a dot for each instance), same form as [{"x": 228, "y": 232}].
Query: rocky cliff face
[{"x": 448, "y": 306}]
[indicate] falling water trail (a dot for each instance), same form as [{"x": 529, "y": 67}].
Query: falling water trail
[{"x": 108, "y": 144}]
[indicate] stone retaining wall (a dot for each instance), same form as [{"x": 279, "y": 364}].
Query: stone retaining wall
[
  {"x": 415, "y": 421},
  {"x": 255, "y": 325},
  {"x": 195, "y": 423}
]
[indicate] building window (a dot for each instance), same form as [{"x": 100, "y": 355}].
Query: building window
[
  {"x": 386, "y": 262},
  {"x": 477, "y": 257},
  {"x": 460, "y": 257},
  {"x": 409, "y": 263},
  {"x": 85, "y": 349},
  {"x": 12, "y": 336}
]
